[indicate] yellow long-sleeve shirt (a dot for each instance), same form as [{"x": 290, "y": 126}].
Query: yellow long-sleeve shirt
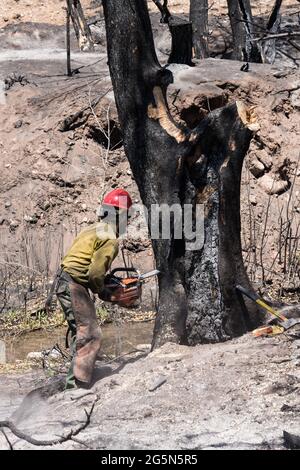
[{"x": 91, "y": 255}]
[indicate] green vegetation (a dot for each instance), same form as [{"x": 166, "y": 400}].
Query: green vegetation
[{"x": 17, "y": 322}]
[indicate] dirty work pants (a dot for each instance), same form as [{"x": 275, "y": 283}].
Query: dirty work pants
[{"x": 80, "y": 313}]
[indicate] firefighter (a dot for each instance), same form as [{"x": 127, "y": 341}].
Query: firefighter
[{"x": 84, "y": 267}]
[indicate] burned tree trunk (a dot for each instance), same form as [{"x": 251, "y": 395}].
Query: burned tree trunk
[
  {"x": 182, "y": 42},
  {"x": 174, "y": 165},
  {"x": 268, "y": 48},
  {"x": 68, "y": 44},
  {"x": 181, "y": 33},
  {"x": 238, "y": 32},
  {"x": 241, "y": 20},
  {"x": 214, "y": 271},
  {"x": 80, "y": 25},
  {"x": 199, "y": 20}
]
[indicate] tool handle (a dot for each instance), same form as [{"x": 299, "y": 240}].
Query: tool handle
[
  {"x": 124, "y": 270},
  {"x": 251, "y": 295}
]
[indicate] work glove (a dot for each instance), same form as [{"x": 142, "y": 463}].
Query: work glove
[{"x": 107, "y": 295}]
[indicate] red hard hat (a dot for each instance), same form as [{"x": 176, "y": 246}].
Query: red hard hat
[{"x": 118, "y": 198}]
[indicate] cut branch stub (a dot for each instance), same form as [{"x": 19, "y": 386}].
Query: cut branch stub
[
  {"x": 182, "y": 42},
  {"x": 181, "y": 33},
  {"x": 160, "y": 113}
]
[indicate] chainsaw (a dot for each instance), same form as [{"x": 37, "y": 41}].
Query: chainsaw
[{"x": 125, "y": 290}]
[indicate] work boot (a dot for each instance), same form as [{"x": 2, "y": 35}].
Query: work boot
[{"x": 79, "y": 384}]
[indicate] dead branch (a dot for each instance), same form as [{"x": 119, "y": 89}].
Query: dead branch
[
  {"x": 291, "y": 34},
  {"x": 81, "y": 27},
  {"x": 36, "y": 442},
  {"x": 7, "y": 440},
  {"x": 164, "y": 10},
  {"x": 274, "y": 16},
  {"x": 294, "y": 44}
]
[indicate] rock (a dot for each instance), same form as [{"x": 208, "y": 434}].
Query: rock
[
  {"x": 273, "y": 186},
  {"x": 54, "y": 355},
  {"x": 44, "y": 205},
  {"x": 256, "y": 167},
  {"x": 145, "y": 347},
  {"x": 7, "y": 204},
  {"x": 280, "y": 74},
  {"x": 32, "y": 219},
  {"x": 18, "y": 123},
  {"x": 158, "y": 382},
  {"x": 13, "y": 224},
  {"x": 35, "y": 356},
  {"x": 148, "y": 413},
  {"x": 265, "y": 159},
  {"x": 252, "y": 199}
]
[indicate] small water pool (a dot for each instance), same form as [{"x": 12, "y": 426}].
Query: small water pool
[{"x": 117, "y": 339}]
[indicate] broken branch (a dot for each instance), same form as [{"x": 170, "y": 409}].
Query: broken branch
[
  {"x": 292, "y": 34},
  {"x": 36, "y": 442}
]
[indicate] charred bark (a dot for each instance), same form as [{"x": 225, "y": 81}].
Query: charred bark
[
  {"x": 268, "y": 48},
  {"x": 164, "y": 10},
  {"x": 80, "y": 25},
  {"x": 238, "y": 33},
  {"x": 174, "y": 165},
  {"x": 182, "y": 42},
  {"x": 181, "y": 33},
  {"x": 199, "y": 20},
  {"x": 241, "y": 20},
  {"x": 219, "y": 313},
  {"x": 68, "y": 43}
]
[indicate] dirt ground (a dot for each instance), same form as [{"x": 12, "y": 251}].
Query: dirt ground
[
  {"x": 241, "y": 394},
  {"x": 52, "y": 11}
]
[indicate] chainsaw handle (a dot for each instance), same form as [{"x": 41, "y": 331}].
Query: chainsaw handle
[
  {"x": 251, "y": 295},
  {"x": 124, "y": 270}
]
